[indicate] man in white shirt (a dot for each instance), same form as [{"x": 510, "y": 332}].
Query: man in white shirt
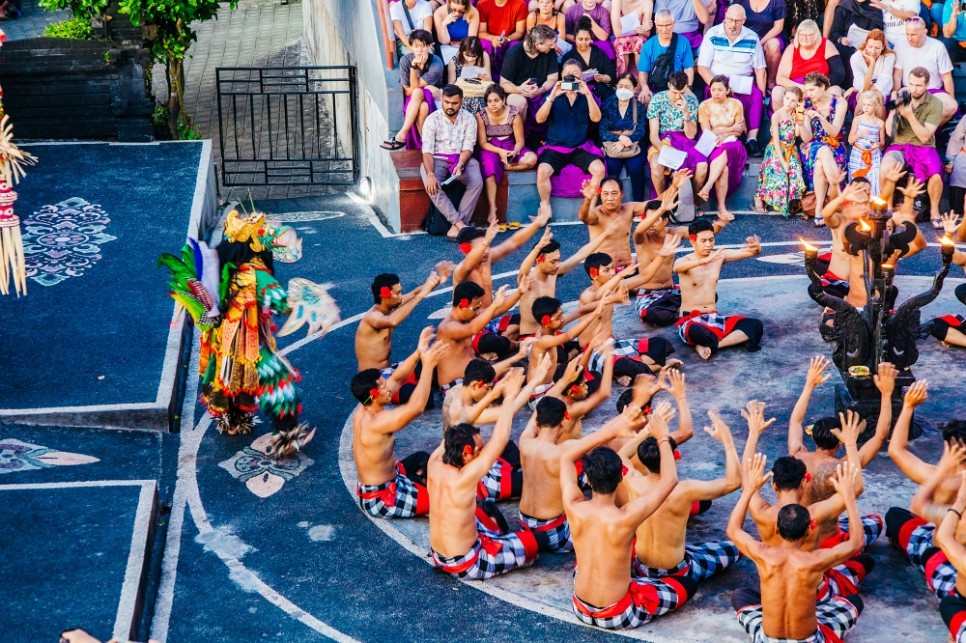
[
  {"x": 920, "y": 50},
  {"x": 449, "y": 138},
  {"x": 733, "y": 50},
  {"x": 406, "y": 17},
  {"x": 894, "y": 16}
]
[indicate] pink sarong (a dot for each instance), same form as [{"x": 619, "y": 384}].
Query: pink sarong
[{"x": 414, "y": 141}]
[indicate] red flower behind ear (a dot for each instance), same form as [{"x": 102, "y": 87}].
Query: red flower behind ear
[
  {"x": 464, "y": 303},
  {"x": 811, "y": 525},
  {"x": 574, "y": 390},
  {"x": 808, "y": 477},
  {"x": 373, "y": 394},
  {"x": 693, "y": 237},
  {"x": 593, "y": 273},
  {"x": 465, "y": 247},
  {"x": 545, "y": 320},
  {"x": 677, "y": 454},
  {"x": 385, "y": 292},
  {"x": 567, "y": 415},
  {"x": 540, "y": 258}
]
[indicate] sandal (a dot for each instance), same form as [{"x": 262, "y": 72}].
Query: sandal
[
  {"x": 513, "y": 225},
  {"x": 392, "y": 145}
]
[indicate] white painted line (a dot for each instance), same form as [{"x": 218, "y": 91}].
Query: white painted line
[
  {"x": 373, "y": 218},
  {"x": 134, "y": 406},
  {"x": 40, "y": 486},
  {"x": 136, "y": 561}
]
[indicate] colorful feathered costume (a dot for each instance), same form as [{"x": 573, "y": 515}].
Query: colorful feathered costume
[{"x": 231, "y": 293}]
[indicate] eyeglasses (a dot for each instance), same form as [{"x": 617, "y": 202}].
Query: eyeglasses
[{"x": 737, "y": 21}]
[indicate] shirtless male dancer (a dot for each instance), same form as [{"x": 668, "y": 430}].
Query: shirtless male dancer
[
  {"x": 699, "y": 324},
  {"x": 470, "y": 402},
  {"x": 605, "y": 595},
  {"x": 658, "y": 299},
  {"x": 610, "y": 212},
  {"x": 387, "y": 488},
  {"x": 950, "y": 330},
  {"x": 914, "y": 534},
  {"x": 573, "y": 389},
  {"x": 661, "y": 545},
  {"x": 950, "y": 537},
  {"x": 466, "y": 318},
  {"x": 462, "y": 545},
  {"x": 786, "y": 607}
]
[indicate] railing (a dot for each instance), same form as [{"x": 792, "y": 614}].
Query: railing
[{"x": 388, "y": 35}]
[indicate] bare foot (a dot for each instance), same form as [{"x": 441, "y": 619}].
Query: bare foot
[
  {"x": 492, "y": 218},
  {"x": 704, "y": 352},
  {"x": 759, "y": 207},
  {"x": 453, "y": 232},
  {"x": 624, "y": 381},
  {"x": 704, "y": 194},
  {"x": 673, "y": 363},
  {"x": 725, "y": 213}
]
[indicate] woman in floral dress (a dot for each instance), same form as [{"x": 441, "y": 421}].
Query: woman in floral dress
[
  {"x": 823, "y": 157},
  {"x": 780, "y": 179}
]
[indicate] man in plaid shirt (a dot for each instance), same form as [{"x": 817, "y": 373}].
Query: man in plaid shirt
[
  {"x": 786, "y": 607},
  {"x": 605, "y": 595}
]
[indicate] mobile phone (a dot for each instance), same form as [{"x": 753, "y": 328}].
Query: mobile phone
[{"x": 532, "y": 80}]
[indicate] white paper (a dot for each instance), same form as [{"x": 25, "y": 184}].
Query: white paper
[
  {"x": 706, "y": 143},
  {"x": 563, "y": 46},
  {"x": 469, "y": 72},
  {"x": 856, "y": 36},
  {"x": 741, "y": 84},
  {"x": 629, "y": 23},
  {"x": 589, "y": 75},
  {"x": 729, "y": 139},
  {"x": 670, "y": 157}
]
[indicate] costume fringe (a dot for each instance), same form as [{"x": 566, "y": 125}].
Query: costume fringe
[{"x": 287, "y": 443}]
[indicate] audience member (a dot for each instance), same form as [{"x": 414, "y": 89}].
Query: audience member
[
  {"x": 823, "y": 157},
  {"x": 956, "y": 167},
  {"x": 591, "y": 59},
  {"x": 503, "y": 23},
  {"x": 853, "y": 21},
  {"x": 919, "y": 50},
  {"x": 723, "y": 116},
  {"x": 953, "y": 26},
  {"x": 470, "y": 69},
  {"x": 810, "y": 52},
  {"x": 867, "y": 139},
  {"x": 672, "y": 122},
  {"x": 767, "y": 19},
  {"x": 545, "y": 12},
  {"x": 627, "y": 44},
  {"x": 873, "y": 67},
  {"x": 454, "y": 21},
  {"x": 781, "y": 179},
  {"x": 407, "y": 16},
  {"x": 656, "y": 63},
  {"x": 500, "y": 142},
  {"x": 420, "y": 71},
  {"x": 559, "y": 5},
  {"x": 894, "y": 16},
  {"x": 530, "y": 71},
  {"x": 599, "y": 24},
  {"x": 623, "y": 130}
]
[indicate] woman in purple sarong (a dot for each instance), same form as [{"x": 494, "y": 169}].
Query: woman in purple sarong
[
  {"x": 723, "y": 116},
  {"x": 672, "y": 122},
  {"x": 500, "y": 143},
  {"x": 420, "y": 73}
]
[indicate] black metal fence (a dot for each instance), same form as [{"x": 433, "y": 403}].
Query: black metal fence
[{"x": 288, "y": 126}]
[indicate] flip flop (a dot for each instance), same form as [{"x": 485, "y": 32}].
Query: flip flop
[
  {"x": 392, "y": 145},
  {"x": 503, "y": 227},
  {"x": 513, "y": 225}
]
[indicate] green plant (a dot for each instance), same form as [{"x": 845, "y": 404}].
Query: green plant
[
  {"x": 81, "y": 9},
  {"x": 73, "y": 29},
  {"x": 160, "y": 116},
  {"x": 188, "y": 133}
]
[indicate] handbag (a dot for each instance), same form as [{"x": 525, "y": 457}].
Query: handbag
[
  {"x": 473, "y": 88},
  {"x": 616, "y": 150}
]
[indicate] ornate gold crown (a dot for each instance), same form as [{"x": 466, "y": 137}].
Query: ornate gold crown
[{"x": 246, "y": 228}]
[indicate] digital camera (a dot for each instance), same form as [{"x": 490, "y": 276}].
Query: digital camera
[{"x": 570, "y": 83}]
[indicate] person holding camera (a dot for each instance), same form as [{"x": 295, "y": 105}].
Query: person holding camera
[
  {"x": 913, "y": 123},
  {"x": 568, "y": 112},
  {"x": 919, "y": 50}
]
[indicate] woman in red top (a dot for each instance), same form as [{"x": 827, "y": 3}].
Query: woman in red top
[{"x": 809, "y": 53}]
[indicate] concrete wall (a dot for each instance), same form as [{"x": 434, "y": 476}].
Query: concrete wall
[{"x": 347, "y": 32}]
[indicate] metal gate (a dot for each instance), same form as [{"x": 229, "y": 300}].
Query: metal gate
[{"x": 288, "y": 126}]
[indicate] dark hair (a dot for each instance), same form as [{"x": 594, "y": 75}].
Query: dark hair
[
  {"x": 649, "y": 453},
  {"x": 584, "y": 24},
  {"x": 721, "y": 78},
  {"x": 548, "y": 247},
  {"x": 793, "y": 522},
  {"x": 954, "y": 430},
  {"x": 597, "y": 260},
  {"x": 455, "y": 441},
  {"x": 627, "y": 397},
  {"x": 452, "y": 90},
  {"x": 677, "y": 80},
  {"x": 421, "y": 35},
  {"x": 920, "y": 72},
  {"x": 468, "y": 290},
  {"x": 822, "y": 433},
  {"x": 468, "y": 233},
  {"x": 473, "y": 46},
  {"x": 544, "y": 306},
  {"x": 604, "y": 469},
  {"x": 788, "y": 472},
  {"x": 613, "y": 179},
  {"x": 816, "y": 78},
  {"x": 478, "y": 370},
  {"x": 494, "y": 89},
  {"x": 550, "y": 411},
  {"x": 384, "y": 280},
  {"x": 652, "y": 205},
  {"x": 698, "y": 226},
  {"x": 861, "y": 179},
  {"x": 629, "y": 76},
  {"x": 362, "y": 384}
]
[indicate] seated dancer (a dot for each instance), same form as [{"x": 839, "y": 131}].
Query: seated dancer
[
  {"x": 658, "y": 299},
  {"x": 605, "y": 595},
  {"x": 953, "y": 607},
  {"x": 573, "y": 387},
  {"x": 462, "y": 325},
  {"x": 388, "y": 488},
  {"x": 610, "y": 211},
  {"x": 543, "y": 264},
  {"x": 699, "y": 324},
  {"x": 912, "y": 534},
  {"x": 661, "y": 545},
  {"x": 374, "y": 334},
  {"x": 466, "y": 542},
  {"x": 951, "y": 329},
  {"x": 786, "y": 607},
  {"x": 851, "y": 204}
]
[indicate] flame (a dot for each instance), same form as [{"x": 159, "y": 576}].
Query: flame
[
  {"x": 946, "y": 241},
  {"x": 864, "y": 226},
  {"x": 807, "y": 246},
  {"x": 887, "y": 266},
  {"x": 877, "y": 202}
]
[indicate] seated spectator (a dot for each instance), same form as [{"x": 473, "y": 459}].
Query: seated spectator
[
  {"x": 449, "y": 138},
  {"x": 599, "y": 24},
  {"x": 953, "y": 25},
  {"x": 503, "y": 23},
  {"x": 470, "y": 57},
  {"x": 627, "y": 45},
  {"x": 956, "y": 167},
  {"x": 723, "y": 116},
  {"x": 914, "y": 141},
  {"x": 823, "y": 156},
  {"x": 853, "y": 20},
  {"x": 867, "y": 139},
  {"x": 546, "y": 12},
  {"x": 530, "y": 71},
  {"x": 767, "y": 19},
  {"x": 690, "y": 17},
  {"x": 919, "y": 50},
  {"x": 420, "y": 71},
  {"x": 894, "y": 16},
  {"x": 559, "y": 5},
  {"x": 590, "y": 58},
  {"x": 407, "y": 16},
  {"x": 568, "y": 114},
  {"x": 873, "y": 65},
  {"x": 734, "y": 51},
  {"x": 682, "y": 59},
  {"x": 454, "y": 21},
  {"x": 500, "y": 143},
  {"x": 622, "y": 127},
  {"x": 672, "y": 121},
  {"x": 810, "y": 52},
  {"x": 780, "y": 179}
]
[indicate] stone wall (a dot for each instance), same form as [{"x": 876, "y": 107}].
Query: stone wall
[{"x": 337, "y": 32}]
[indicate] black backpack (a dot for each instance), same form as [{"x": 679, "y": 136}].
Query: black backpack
[
  {"x": 435, "y": 223},
  {"x": 663, "y": 67}
]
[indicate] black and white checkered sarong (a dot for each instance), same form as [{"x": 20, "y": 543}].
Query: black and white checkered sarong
[
  {"x": 700, "y": 563},
  {"x": 932, "y": 562},
  {"x": 398, "y": 498},
  {"x": 552, "y": 535},
  {"x": 491, "y": 555},
  {"x": 646, "y": 599},
  {"x": 835, "y": 618}
]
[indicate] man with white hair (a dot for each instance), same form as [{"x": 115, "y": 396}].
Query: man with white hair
[
  {"x": 654, "y": 53},
  {"x": 920, "y": 50},
  {"x": 731, "y": 49}
]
